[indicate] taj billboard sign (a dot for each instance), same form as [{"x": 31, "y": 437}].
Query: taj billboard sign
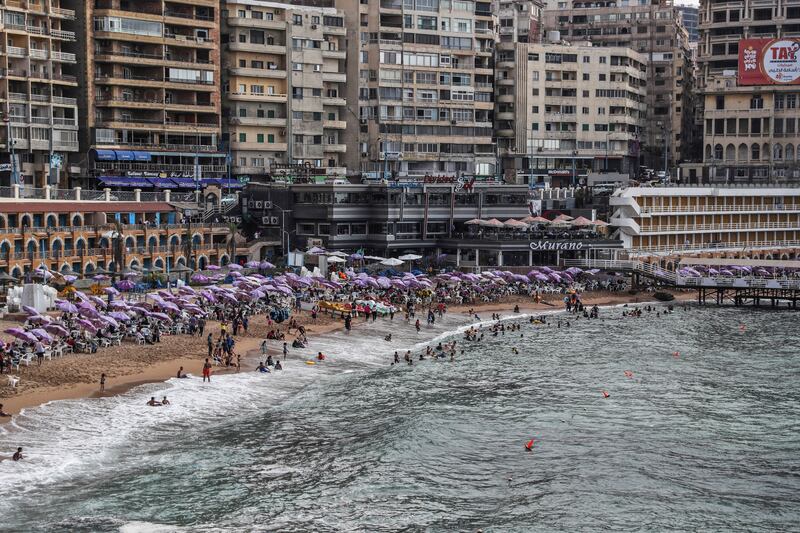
[{"x": 769, "y": 61}]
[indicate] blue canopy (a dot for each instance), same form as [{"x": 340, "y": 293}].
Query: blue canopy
[
  {"x": 163, "y": 183},
  {"x": 120, "y": 181},
  {"x": 184, "y": 182},
  {"x": 141, "y": 156},
  {"x": 104, "y": 155},
  {"x": 124, "y": 155}
]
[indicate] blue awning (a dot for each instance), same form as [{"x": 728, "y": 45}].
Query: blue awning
[
  {"x": 231, "y": 184},
  {"x": 184, "y": 182},
  {"x": 210, "y": 181},
  {"x": 124, "y": 155},
  {"x": 163, "y": 183},
  {"x": 141, "y": 156},
  {"x": 114, "y": 181},
  {"x": 119, "y": 181},
  {"x": 104, "y": 155}
]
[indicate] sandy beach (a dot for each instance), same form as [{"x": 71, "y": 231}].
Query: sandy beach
[{"x": 130, "y": 365}]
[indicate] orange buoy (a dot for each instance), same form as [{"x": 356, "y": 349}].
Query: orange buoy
[
  {"x": 628, "y": 373},
  {"x": 606, "y": 394},
  {"x": 529, "y": 445}
]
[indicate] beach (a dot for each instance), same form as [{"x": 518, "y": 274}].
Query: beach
[{"x": 129, "y": 365}]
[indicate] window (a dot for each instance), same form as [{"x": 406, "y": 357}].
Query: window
[
  {"x": 242, "y": 137},
  {"x": 297, "y": 20},
  {"x": 720, "y": 101},
  {"x": 585, "y": 77},
  {"x": 603, "y": 60},
  {"x": 260, "y": 137},
  {"x": 270, "y": 137},
  {"x": 602, "y": 77},
  {"x": 314, "y": 19},
  {"x": 779, "y": 101},
  {"x": 756, "y": 102},
  {"x": 297, "y": 66},
  {"x": 587, "y": 59},
  {"x": 535, "y": 109}
]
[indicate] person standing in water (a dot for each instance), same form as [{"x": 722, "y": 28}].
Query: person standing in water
[
  {"x": 102, "y": 382},
  {"x": 207, "y": 371}
]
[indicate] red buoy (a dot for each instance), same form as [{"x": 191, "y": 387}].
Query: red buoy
[
  {"x": 606, "y": 394},
  {"x": 529, "y": 445},
  {"x": 628, "y": 373}
]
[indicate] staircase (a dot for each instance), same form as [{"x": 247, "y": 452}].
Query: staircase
[{"x": 646, "y": 269}]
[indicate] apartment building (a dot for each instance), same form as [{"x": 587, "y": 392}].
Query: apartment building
[
  {"x": 755, "y": 222},
  {"x": 150, "y": 104},
  {"x": 519, "y": 21},
  {"x": 422, "y": 76},
  {"x": 38, "y": 91},
  {"x": 653, "y": 29},
  {"x": 284, "y": 86},
  {"x": 751, "y": 129},
  {"x": 564, "y": 111},
  {"x": 690, "y": 17}
]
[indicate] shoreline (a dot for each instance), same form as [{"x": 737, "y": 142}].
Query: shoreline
[{"x": 249, "y": 347}]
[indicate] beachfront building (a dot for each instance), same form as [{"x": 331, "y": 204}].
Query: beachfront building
[
  {"x": 76, "y": 230},
  {"x": 653, "y": 29},
  {"x": 564, "y": 111},
  {"x": 284, "y": 85},
  {"x": 426, "y": 218},
  {"x": 150, "y": 101},
  {"x": 38, "y": 92},
  {"x": 751, "y": 127},
  {"x": 753, "y": 222},
  {"x": 421, "y": 86}
]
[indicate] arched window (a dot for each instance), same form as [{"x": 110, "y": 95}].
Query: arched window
[
  {"x": 755, "y": 152},
  {"x": 789, "y": 155},
  {"x": 777, "y": 152},
  {"x": 708, "y": 152},
  {"x": 742, "y": 157},
  {"x": 718, "y": 152},
  {"x": 730, "y": 153}
]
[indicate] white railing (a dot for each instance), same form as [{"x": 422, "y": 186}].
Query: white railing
[
  {"x": 713, "y": 246},
  {"x": 648, "y": 269},
  {"x": 15, "y": 51},
  {"x": 63, "y": 100},
  {"x": 754, "y": 208},
  {"x": 694, "y": 228},
  {"x": 63, "y": 56},
  {"x": 38, "y": 54}
]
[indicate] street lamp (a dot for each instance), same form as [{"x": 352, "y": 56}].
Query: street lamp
[{"x": 283, "y": 225}]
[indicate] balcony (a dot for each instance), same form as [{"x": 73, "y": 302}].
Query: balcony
[
  {"x": 63, "y": 35},
  {"x": 60, "y": 12},
  {"x": 189, "y": 40},
  {"x": 256, "y": 97},
  {"x": 258, "y": 72},
  {"x": 506, "y": 115},
  {"x": 335, "y": 148},
  {"x": 36, "y": 53},
  {"x": 279, "y": 122},
  {"x": 333, "y": 100},
  {"x": 334, "y": 54},
  {"x": 240, "y": 22},
  {"x": 334, "y": 124},
  {"x": 505, "y": 98},
  {"x": 258, "y": 147},
  {"x": 335, "y": 77},
  {"x": 16, "y": 51},
  {"x": 18, "y": 97},
  {"x": 191, "y": 126},
  {"x": 277, "y": 49},
  {"x": 63, "y": 100}
]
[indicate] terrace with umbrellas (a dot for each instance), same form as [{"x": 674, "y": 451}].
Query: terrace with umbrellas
[{"x": 535, "y": 227}]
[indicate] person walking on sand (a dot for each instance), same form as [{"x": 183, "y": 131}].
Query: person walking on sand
[
  {"x": 210, "y": 341},
  {"x": 285, "y": 350},
  {"x": 102, "y": 382},
  {"x": 207, "y": 371},
  {"x": 39, "y": 349}
]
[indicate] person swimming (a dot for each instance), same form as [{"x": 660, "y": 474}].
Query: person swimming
[
  {"x": 278, "y": 365},
  {"x": 153, "y": 402},
  {"x": 261, "y": 368},
  {"x": 18, "y": 454},
  {"x": 165, "y": 401}
]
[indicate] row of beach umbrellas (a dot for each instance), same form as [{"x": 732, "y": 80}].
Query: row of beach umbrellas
[{"x": 524, "y": 223}]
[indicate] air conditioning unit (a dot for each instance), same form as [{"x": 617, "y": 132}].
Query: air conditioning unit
[
  {"x": 314, "y": 242},
  {"x": 267, "y": 204},
  {"x": 259, "y": 204},
  {"x": 273, "y": 220},
  {"x": 265, "y": 221}
]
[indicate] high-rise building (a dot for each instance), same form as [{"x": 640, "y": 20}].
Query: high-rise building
[
  {"x": 150, "y": 104},
  {"x": 38, "y": 90},
  {"x": 653, "y": 29},
  {"x": 750, "y": 81},
  {"x": 690, "y": 18},
  {"x": 422, "y": 76},
  {"x": 284, "y": 78},
  {"x": 519, "y": 21},
  {"x": 564, "y": 111}
]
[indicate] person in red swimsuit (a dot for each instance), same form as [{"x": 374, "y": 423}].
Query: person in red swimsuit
[{"x": 207, "y": 371}]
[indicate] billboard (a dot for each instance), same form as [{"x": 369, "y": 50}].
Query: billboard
[{"x": 769, "y": 61}]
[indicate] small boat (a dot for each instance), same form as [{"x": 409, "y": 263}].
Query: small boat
[{"x": 664, "y": 296}]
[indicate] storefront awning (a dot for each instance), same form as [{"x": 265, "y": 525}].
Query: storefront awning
[
  {"x": 163, "y": 183},
  {"x": 141, "y": 156},
  {"x": 133, "y": 183},
  {"x": 124, "y": 155},
  {"x": 184, "y": 182},
  {"x": 104, "y": 155}
]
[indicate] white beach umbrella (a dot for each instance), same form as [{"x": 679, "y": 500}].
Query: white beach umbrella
[
  {"x": 392, "y": 262},
  {"x": 410, "y": 257}
]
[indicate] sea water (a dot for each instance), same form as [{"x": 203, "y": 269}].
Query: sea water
[{"x": 705, "y": 436}]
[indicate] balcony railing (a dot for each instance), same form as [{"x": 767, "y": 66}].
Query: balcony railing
[
  {"x": 65, "y": 100},
  {"x": 62, "y": 34}
]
